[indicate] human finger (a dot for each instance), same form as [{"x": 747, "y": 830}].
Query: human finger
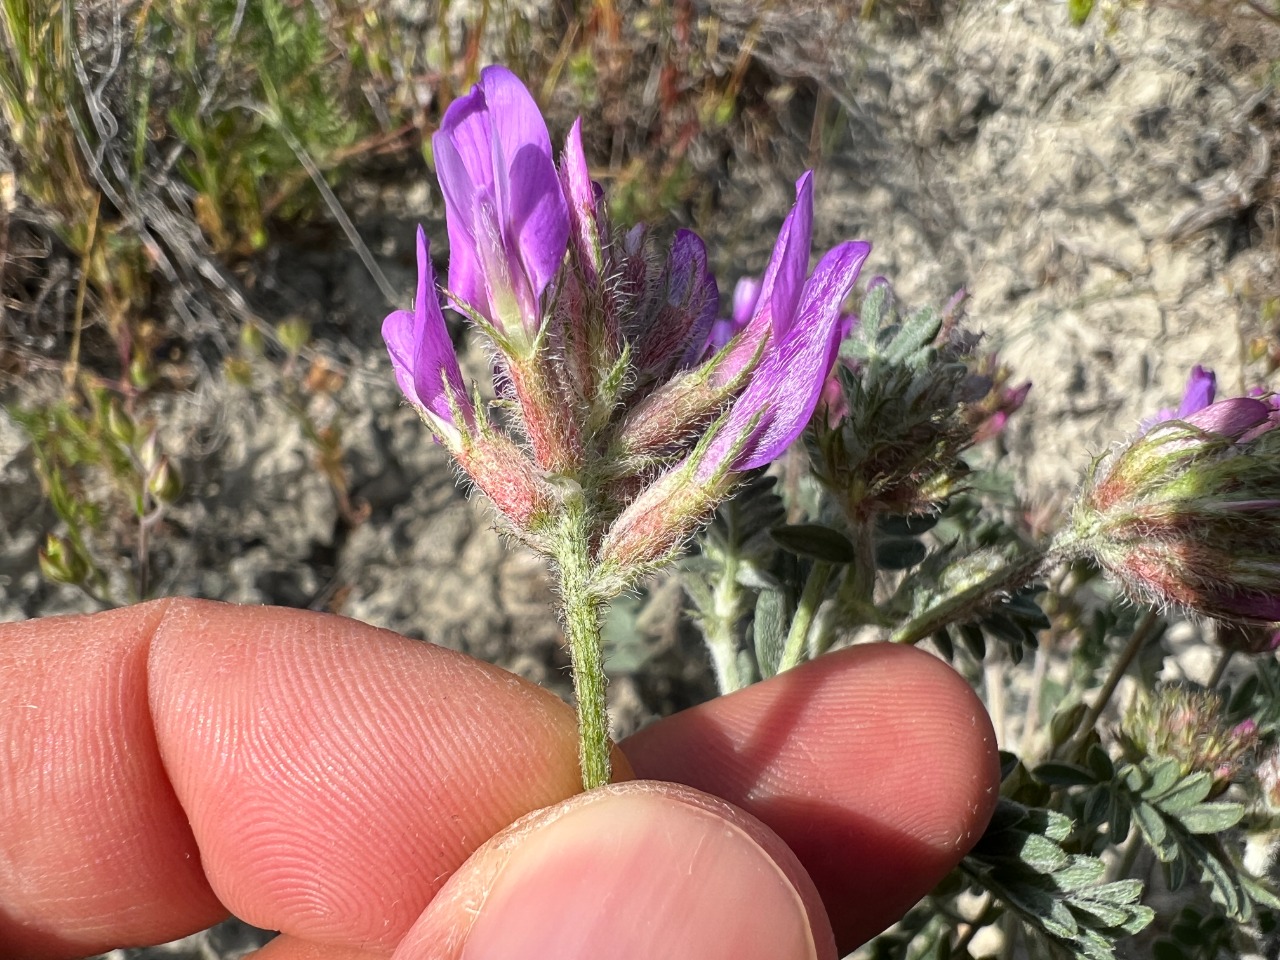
[
  {"x": 877, "y": 765},
  {"x": 312, "y": 774},
  {"x": 630, "y": 871}
]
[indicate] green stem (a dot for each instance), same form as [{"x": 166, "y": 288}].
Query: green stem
[
  {"x": 967, "y": 602},
  {"x": 793, "y": 651},
  {"x": 1220, "y": 669},
  {"x": 581, "y": 610},
  {"x": 1143, "y": 632},
  {"x": 722, "y": 639},
  {"x": 854, "y": 602}
]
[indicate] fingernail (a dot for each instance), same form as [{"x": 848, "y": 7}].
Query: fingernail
[{"x": 640, "y": 876}]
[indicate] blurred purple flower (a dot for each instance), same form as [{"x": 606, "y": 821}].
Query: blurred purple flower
[
  {"x": 1240, "y": 418},
  {"x": 746, "y": 292},
  {"x": 423, "y": 358},
  {"x": 505, "y": 208},
  {"x": 1201, "y": 388}
]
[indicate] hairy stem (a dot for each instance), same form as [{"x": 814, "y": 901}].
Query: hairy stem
[
  {"x": 968, "y": 602},
  {"x": 1143, "y": 632},
  {"x": 793, "y": 651},
  {"x": 722, "y": 639},
  {"x": 581, "y": 609},
  {"x": 854, "y": 602}
]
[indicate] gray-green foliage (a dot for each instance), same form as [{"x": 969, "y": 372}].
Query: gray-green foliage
[{"x": 890, "y": 532}]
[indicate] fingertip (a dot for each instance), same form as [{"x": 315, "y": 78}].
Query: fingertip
[
  {"x": 877, "y": 765},
  {"x": 334, "y": 773},
  {"x": 285, "y": 947},
  {"x": 95, "y": 849},
  {"x": 633, "y": 870}
]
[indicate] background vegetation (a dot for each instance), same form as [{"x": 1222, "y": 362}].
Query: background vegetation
[{"x": 166, "y": 167}]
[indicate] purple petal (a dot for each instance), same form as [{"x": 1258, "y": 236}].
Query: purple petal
[
  {"x": 397, "y": 333},
  {"x": 1201, "y": 387},
  {"x": 1258, "y": 606},
  {"x": 785, "y": 387},
  {"x": 843, "y": 328},
  {"x": 539, "y": 216},
  {"x": 701, "y": 331},
  {"x": 466, "y": 280},
  {"x": 1233, "y": 417},
  {"x": 505, "y": 210},
  {"x": 691, "y": 303},
  {"x": 722, "y": 331},
  {"x": 463, "y": 149},
  {"x": 746, "y": 293},
  {"x": 515, "y": 116},
  {"x": 780, "y": 287},
  {"x": 583, "y": 201},
  {"x": 784, "y": 276},
  {"x": 422, "y": 355}
]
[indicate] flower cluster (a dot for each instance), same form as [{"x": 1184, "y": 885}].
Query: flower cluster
[
  {"x": 627, "y": 404},
  {"x": 1188, "y": 513},
  {"x": 1186, "y": 724}
]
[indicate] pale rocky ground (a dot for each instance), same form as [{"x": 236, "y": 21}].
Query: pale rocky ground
[{"x": 1042, "y": 167}]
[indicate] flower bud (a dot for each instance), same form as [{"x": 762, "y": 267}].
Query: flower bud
[
  {"x": 165, "y": 482},
  {"x": 60, "y": 561},
  {"x": 1188, "y": 513},
  {"x": 1185, "y": 724},
  {"x": 656, "y": 525},
  {"x": 119, "y": 424},
  {"x": 504, "y": 474}
]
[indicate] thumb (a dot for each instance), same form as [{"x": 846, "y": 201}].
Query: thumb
[{"x": 631, "y": 870}]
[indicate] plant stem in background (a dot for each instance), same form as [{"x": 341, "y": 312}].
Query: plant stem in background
[
  {"x": 794, "y": 651},
  {"x": 581, "y": 610},
  {"x": 1143, "y": 632},
  {"x": 1220, "y": 669},
  {"x": 1017, "y": 573}
]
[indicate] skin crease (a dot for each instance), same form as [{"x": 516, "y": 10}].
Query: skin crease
[{"x": 169, "y": 762}]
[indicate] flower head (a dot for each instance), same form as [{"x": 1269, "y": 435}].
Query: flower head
[
  {"x": 611, "y": 399},
  {"x": 505, "y": 207},
  {"x": 1189, "y": 512},
  {"x": 1185, "y": 725}
]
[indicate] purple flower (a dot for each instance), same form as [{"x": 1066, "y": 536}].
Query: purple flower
[
  {"x": 746, "y": 293},
  {"x": 1240, "y": 418},
  {"x": 422, "y": 355},
  {"x": 785, "y": 387},
  {"x": 505, "y": 208},
  {"x": 774, "y": 307},
  {"x": 1201, "y": 388}
]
